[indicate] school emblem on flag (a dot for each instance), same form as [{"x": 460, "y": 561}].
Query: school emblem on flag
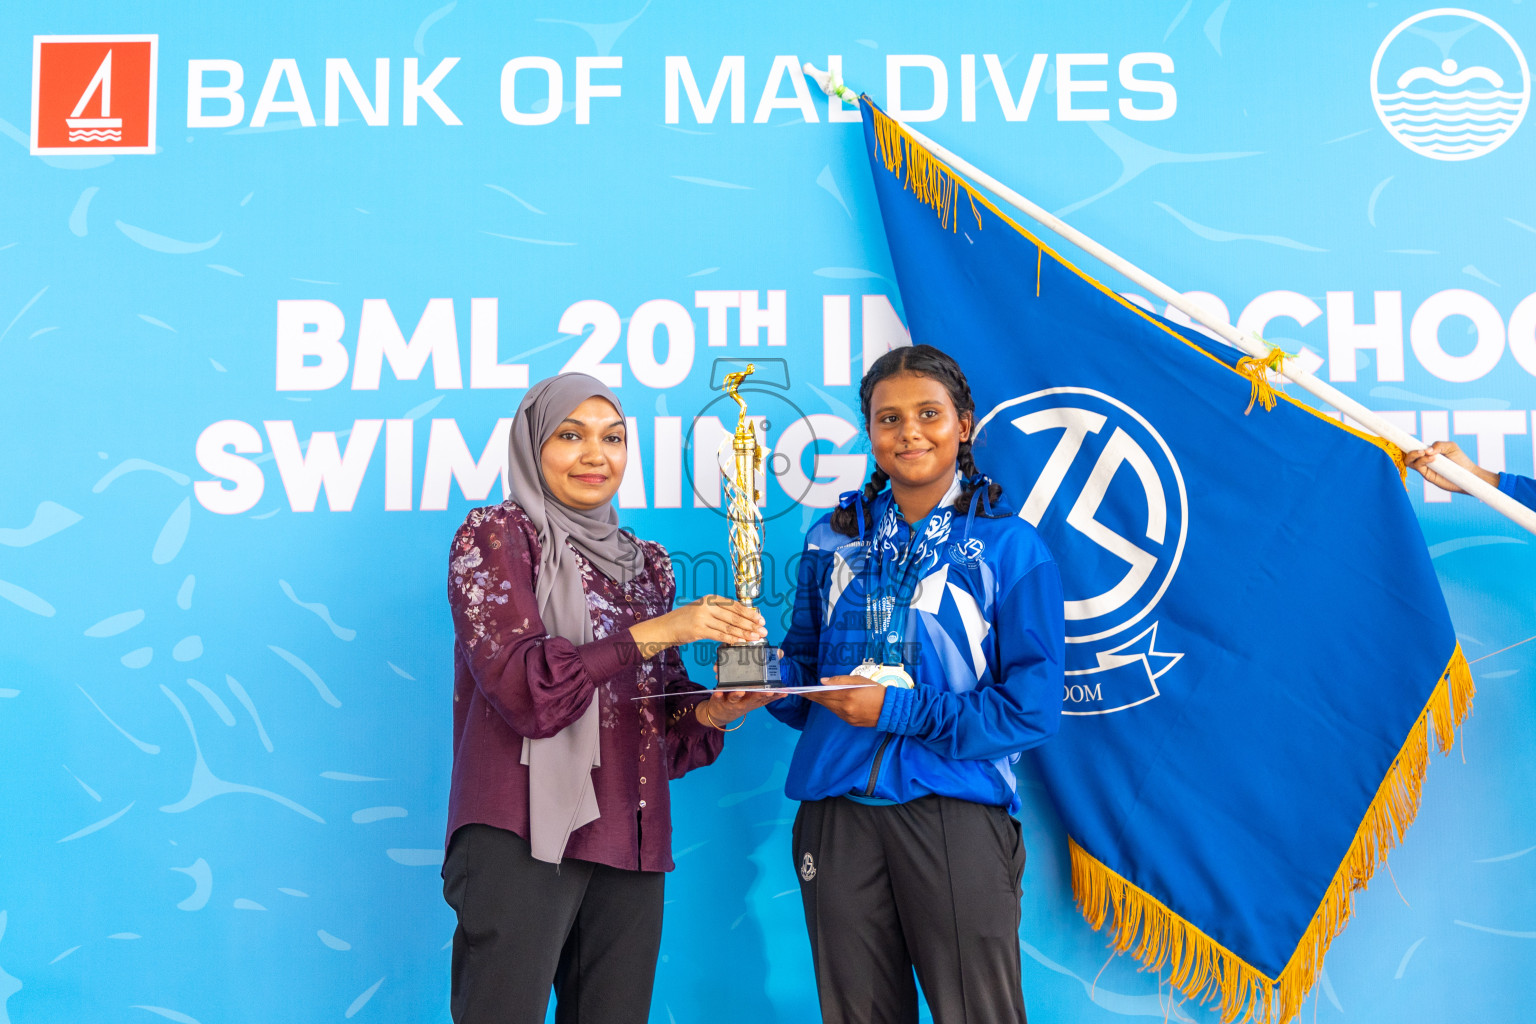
[
  {"x": 1110, "y": 487},
  {"x": 93, "y": 94}
]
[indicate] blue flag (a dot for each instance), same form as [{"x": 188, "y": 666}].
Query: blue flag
[{"x": 1256, "y": 641}]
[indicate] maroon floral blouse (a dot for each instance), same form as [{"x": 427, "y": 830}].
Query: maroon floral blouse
[{"x": 511, "y": 679}]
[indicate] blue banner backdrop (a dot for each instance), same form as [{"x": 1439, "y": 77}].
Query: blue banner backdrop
[{"x": 255, "y": 374}]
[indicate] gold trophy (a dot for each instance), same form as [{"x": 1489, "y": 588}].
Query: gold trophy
[{"x": 755, "y": 664}]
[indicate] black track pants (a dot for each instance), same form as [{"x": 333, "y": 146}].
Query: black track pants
[
  {"x": 933, "y": 885},
  {"x": 589, "y": 932}
]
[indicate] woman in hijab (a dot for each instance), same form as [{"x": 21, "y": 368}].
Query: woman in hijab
[{"x": 559, "y": 826}]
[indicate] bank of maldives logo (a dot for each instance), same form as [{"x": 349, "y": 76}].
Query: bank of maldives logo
[
  {"x": 93, "y": 94},
  {"x": 1108, "y": 497},
  {"x": 1450, "y": 84}
]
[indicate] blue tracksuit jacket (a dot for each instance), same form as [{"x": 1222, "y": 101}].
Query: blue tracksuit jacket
[
  {"x": 984, "y": 644},
  {"x": 1521, "y": 488}
]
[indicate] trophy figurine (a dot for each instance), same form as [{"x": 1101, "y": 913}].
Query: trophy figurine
[{"x": 755, "y": 664}]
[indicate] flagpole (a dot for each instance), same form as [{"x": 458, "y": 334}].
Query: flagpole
[{"x": 1252, "y": 345}]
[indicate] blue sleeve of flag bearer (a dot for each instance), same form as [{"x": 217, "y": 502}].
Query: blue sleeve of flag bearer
[
  {"x": 1521, "y": 488},
  {"x": 1022, "y": 708}
]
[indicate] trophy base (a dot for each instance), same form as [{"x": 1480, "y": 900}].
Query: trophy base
[{"x": 746, "y": 666}]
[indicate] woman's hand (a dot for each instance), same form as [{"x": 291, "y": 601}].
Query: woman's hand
[
  {"x": 711, "y": 617},
  {"x": 725, "y": 706},
  {"x": 1421, "y": 458},
  {"x": 860, "y": 707}
]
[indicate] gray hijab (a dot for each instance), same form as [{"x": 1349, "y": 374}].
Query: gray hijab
[{"x": 561, "y": 798}]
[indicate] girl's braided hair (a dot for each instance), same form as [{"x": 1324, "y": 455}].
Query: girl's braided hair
[{"x": 924, "y": 361}]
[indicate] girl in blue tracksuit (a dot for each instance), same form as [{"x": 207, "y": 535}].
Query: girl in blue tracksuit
[{"x": 906, "y": 849}]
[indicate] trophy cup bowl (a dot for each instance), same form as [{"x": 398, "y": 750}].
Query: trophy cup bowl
[{"x": 753, "y": 665}]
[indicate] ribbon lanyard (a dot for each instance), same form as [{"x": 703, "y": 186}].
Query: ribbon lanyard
[{"x": 885, "y": 613}]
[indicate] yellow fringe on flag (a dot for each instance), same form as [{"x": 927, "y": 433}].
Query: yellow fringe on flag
[
  {"x": 927, "y": 177},
  {"x": 1201, "y": 967},
  {"x": 1399, "y": 459}
]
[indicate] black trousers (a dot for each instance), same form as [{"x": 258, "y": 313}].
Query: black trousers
[
  {"x": 934, "y": 885},
  {"x": 589, "y": 932}
]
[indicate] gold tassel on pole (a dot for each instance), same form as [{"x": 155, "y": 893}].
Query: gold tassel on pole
[{"x": 1257, "y": 371}]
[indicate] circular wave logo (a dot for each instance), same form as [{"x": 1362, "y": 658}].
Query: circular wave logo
[{"x": 1450, "y": 84}]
